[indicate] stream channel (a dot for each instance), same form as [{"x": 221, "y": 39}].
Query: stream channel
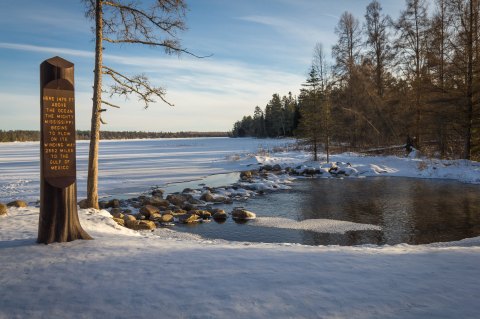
[{"x": 407, "y": 210}]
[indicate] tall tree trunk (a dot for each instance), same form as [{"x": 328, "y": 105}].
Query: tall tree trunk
[
  {"x": 92, "y": 180},
  {"x": 469, "y": 93}
]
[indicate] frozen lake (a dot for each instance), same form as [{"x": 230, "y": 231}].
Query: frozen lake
[{"x": 130, "y": 167}]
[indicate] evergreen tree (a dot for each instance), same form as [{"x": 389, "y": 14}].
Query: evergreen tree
[{"x": 310, "y": 108}]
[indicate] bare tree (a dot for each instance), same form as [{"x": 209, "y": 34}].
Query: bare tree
[
  {"x": 128, "y": 22},
  {"x": 347, "y": 49},
  {"x": 412, "y": 42},
  {"x": 322, "y": 70},
  {"x": 465, "y": 14},
  {"x": 378, "y": 45}
]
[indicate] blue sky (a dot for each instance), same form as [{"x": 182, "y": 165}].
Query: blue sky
[{"x": 259, "y": 47}]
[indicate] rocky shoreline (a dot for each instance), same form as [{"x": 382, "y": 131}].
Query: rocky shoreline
[{"x": 148, "y": 212}]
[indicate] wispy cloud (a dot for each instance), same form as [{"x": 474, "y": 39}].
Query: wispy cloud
[
  {"x": 215, "y": 75},
  {"x": 42, "y": 49},
  {"x": 211, "y": 90},
  {"x": 305, "y": 32}
]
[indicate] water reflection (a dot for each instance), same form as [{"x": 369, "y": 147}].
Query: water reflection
[{"x": 414, "y": 211}]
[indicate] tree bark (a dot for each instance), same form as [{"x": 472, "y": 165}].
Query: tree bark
[
  {"x": 469, "y": 93},
  {"x": 92, "y": 180}
]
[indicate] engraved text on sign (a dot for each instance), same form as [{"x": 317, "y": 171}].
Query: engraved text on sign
[{"x": 58, "y": 121}]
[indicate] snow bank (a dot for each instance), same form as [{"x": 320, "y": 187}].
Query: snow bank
[
  {"x": 356, "y": 165},
  {"x": 125, "y": 274}
]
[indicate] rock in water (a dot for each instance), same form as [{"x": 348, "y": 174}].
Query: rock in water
[
  {"x": 166, "y": 218},
  {"x": 243, "y": 214},
  {"x": 220, "y": 214},
  {"x": 114, "y": 203},
  {"x": 158, "y": 193},
  {"x": 176, "y": 199},
  {"x": 157, "y": 202},
  {"x": 148, "y": 210},
  {"x": 3, "y": 209},
  {"x": 17, "y": 203},
  {"x": 188, "y": 218},
  {"x": 155, "y": 217}
]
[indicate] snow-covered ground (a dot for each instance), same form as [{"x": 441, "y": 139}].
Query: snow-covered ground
[
  {"x": 165, "y": 274},
  {"x": 124, "y": 274}
]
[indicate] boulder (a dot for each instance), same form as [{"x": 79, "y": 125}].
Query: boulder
[
  {"x": 220, "y": 214},
  {"x": 242, "y": 214},
  {"x": 115, "y": 210},
  {"x": 276, "y": 168},
  {"x": 157, "y": 202},
  {"x": 3, "y": 209},
  {"x": 102, "y": 204},
  {"x": 83, "y": 204},
  {"x": 155, "y": 216},
  {"x": 158, "y": 193},
  {"x": 166, "y": 218},
  {"x": 177, "y": 212},
  {"x": 118, "y": 215},
  {"x": 201, "y": 213},
  {"x": 119, "y": 221},
  {"x": 146, "y": 225},
  {"x": 188, "y": 218},
  {"x": 195, "y": 201},
  {"x": 136, "y": 205},
  {"x": 267, "y": 167},
  {"x": 176, "y": 199},
  {"x": 148, "y": 210},
  {"x": 188, "y": 206},
  {"x": 114, "y": 203},
  {"x": 209, "y": 197},
  {"x": 309, "y": 171},
  {"x": 246, "y": 175},
  {"x": 141, "y": 225},
  {"x": 17, "y": 203},
  {"x": 129, "y": 218}
]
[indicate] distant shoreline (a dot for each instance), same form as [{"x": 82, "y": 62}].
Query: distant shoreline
[{"x": 34, "y": 136}]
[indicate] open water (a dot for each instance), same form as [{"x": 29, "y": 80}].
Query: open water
[{"x": 408, "y": 210}]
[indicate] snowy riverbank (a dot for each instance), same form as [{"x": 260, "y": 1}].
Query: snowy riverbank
[
  {"x": 125, "y": 274},
  {"x": 168, "y": 274}
]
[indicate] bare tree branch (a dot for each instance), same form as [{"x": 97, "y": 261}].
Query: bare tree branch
[
  {"x": 138, "y": 85},
  {"x": 110, "y": 104}
]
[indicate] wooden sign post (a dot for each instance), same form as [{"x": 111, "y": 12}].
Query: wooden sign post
[{"x": 58, "y": 220}]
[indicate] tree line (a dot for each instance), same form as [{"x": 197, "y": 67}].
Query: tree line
[
  {"x": 415, "y": 77},
  {"x": 26, "y": 135}
]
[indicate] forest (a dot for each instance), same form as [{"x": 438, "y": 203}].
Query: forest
[
  {"x": 25, "y": 135},
  {"x": 413, "y": 77}
]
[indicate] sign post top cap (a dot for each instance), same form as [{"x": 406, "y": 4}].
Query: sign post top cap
[{"x": 59, "y": 62}]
